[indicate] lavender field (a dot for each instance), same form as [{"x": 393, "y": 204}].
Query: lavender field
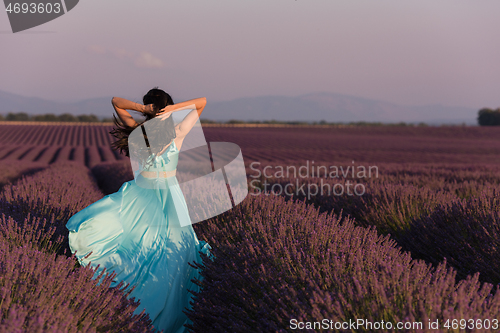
[{"x": 419, "y": 244}]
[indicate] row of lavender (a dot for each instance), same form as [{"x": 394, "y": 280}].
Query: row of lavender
[
  {"x": 56, "y": 135},
  {"x": 88, "y": 156},
  {"x": 368, "y": 144},
  {"x": 43, "y": 289},
  {"x": 436, "y": 212},
  {"x": 90, "y": 145},
  {"x": 85, "y": 144}
]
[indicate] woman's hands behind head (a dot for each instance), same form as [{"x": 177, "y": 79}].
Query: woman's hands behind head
[
  {"x": 149, "y": 109},
  {"x": 165, "y": 112}
]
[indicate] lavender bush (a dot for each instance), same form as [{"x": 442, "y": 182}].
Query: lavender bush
[
  {"x": 35, "y": 232},
  {"x": 388, "y": 203},
  {"x": 11, "y": 170},
  {"x": 62, "y": 185},
  {"x": 54, "y": 194},
  {"x": 110, "y": 176},
  {"x": 464, "y": 232},
  {"x": 41, "y": 292}
]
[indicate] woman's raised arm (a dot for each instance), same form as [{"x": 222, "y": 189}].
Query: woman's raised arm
[
  {"x": 190, "y": 119},
  {"x": 121, "y": 106}
]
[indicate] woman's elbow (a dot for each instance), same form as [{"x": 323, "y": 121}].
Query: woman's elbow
[{"x": 113, "y": 100}]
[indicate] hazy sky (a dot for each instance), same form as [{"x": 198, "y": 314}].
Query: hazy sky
[{"x": 408, "y": 52}]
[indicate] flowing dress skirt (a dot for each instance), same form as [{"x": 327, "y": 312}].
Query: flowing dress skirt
[{"x": 136, "y": 232}]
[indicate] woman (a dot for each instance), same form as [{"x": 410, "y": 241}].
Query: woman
[{"x": 136, "y": 231}]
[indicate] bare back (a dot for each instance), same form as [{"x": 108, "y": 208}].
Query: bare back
[{"x": 178, "y": 141}]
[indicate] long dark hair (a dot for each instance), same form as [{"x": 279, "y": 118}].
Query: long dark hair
[{"x": 121, "y": 132}]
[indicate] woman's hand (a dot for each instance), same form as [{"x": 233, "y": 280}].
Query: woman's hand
[
  {"x": 149, "y": 109},
  {"x": 165, "y": 112}
]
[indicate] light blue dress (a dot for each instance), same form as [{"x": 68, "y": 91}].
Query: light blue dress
[{"x": 136, "y": 233}]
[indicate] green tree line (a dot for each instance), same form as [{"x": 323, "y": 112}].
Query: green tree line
[
  {"x": 66, "y": 117},
  {"x": 488, "y": 117}
]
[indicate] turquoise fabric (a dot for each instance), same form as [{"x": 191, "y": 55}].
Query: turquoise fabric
[{"x": 136, "y": 233}]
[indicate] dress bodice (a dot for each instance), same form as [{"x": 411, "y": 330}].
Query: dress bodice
[{"x": 167, "y": 161}]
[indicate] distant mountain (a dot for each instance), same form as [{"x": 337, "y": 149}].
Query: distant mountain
[
  {"x": 101, "y": 107},
  {"x": 334, "y": 108},
  {"x": 330, "y": 107}
]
